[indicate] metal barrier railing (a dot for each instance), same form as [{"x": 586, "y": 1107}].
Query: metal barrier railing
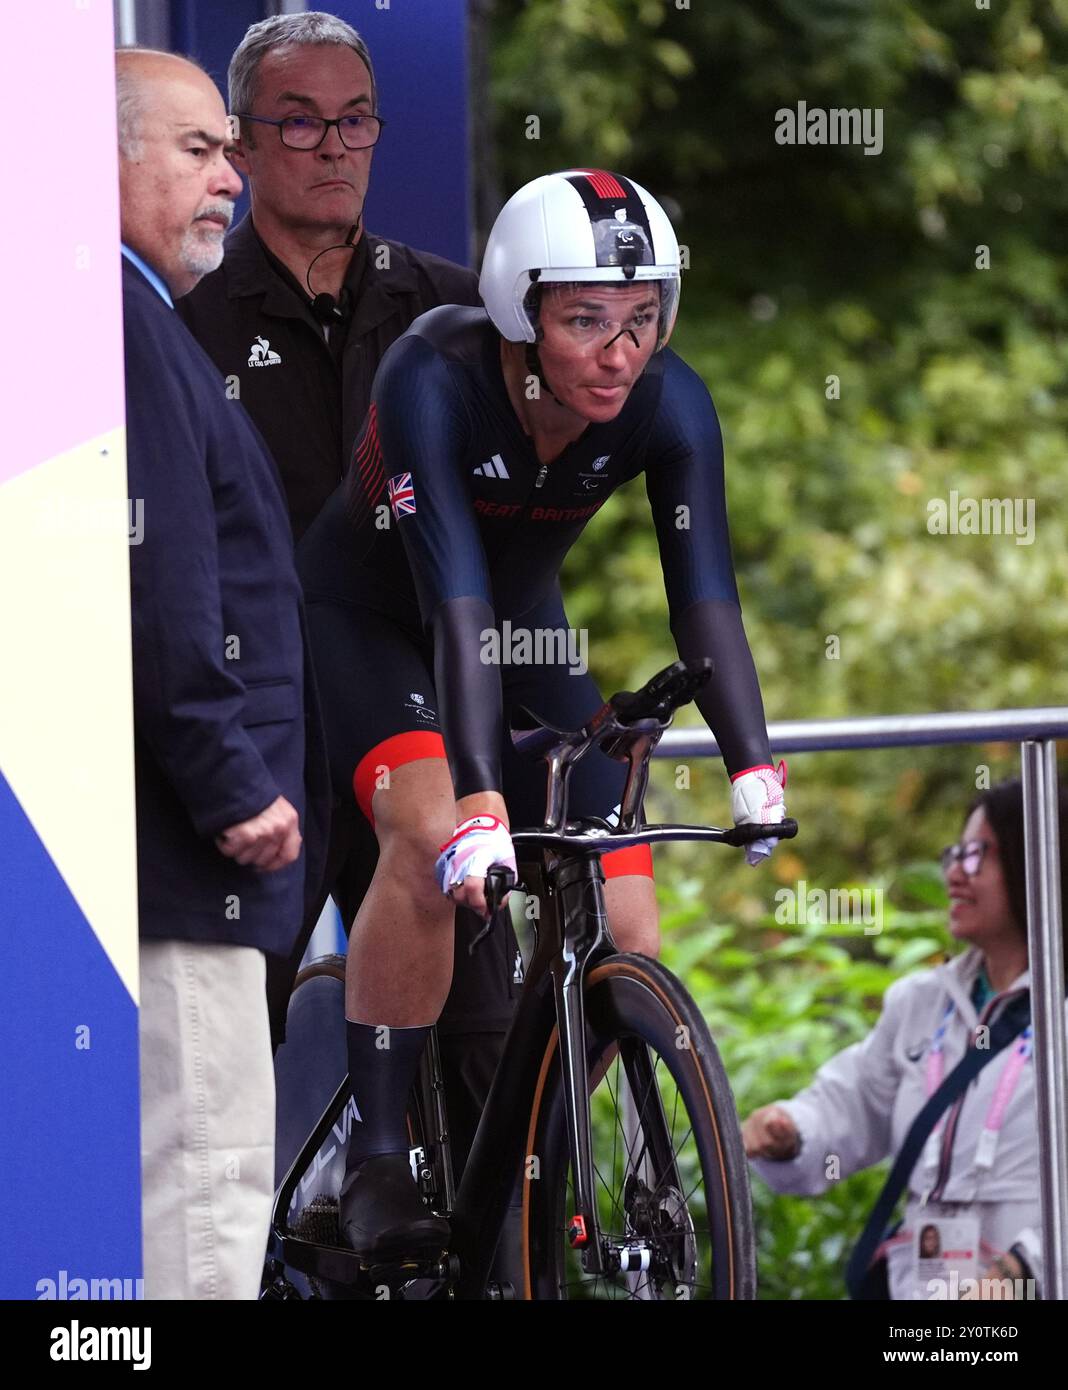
[{"x": 1036, "y": 730}]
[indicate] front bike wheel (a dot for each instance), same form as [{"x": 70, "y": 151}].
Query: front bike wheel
[{"x": 670, "y": 1171}]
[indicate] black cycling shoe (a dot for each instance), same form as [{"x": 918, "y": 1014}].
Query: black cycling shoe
[{"x": 382, "y": 1215}]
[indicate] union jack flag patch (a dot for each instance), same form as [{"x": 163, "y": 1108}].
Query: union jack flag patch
[{"x": 402, "y": 495}]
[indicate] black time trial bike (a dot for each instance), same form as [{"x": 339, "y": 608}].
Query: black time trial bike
[{"x": 610, "y": 1131}]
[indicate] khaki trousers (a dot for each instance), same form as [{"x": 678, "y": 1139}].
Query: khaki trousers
[{"x": 207, "y": 1119}]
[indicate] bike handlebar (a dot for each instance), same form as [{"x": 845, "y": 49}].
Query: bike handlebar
[
  {"x": 591, "y": 834},
  {"x": 626, "y": 727},
  {"x": 500, "y": 880},
  {"x": 659, "y": 698}
]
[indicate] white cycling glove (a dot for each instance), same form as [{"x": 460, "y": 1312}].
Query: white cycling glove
[
  {"x": 757, "y": 799},
  {"x": 476, "y": 843}
]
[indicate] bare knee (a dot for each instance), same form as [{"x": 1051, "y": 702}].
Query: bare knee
[
  {"x": 414, "y": 816},
  {"x": 633, "y": 915}
]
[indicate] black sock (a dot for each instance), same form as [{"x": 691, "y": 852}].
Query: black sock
[{"x": 382, "y": 1067}]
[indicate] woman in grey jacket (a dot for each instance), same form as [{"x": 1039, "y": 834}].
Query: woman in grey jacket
[{"x": 976, "y": 1182}]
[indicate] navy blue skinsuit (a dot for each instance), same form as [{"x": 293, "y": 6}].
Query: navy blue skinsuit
[{"x": 447, "y": 524}]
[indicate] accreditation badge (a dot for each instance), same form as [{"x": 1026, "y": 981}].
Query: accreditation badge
[{"x": 945, "y": 1254}]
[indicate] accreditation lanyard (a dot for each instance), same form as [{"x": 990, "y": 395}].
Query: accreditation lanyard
[
  {"x": 1003, "y": 1092},
  {"x": 995, "y": 1116}
]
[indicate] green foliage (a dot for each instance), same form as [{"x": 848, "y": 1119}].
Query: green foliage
[
  {"x": 810, "y": 264},
  {"x": 815, "y": 263}
]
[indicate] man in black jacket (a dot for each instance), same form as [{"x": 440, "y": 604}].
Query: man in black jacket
[
  {"x": 297, "y": 318},
  {"x": 232, "y": 794}
]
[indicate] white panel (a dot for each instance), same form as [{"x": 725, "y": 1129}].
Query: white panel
[{"x": 66, "y": 704}]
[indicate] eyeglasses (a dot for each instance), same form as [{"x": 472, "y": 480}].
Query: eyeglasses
[
  {"x": 968, "y": 855},
  {"x": 585, "y": 325},
  {"x": 592, "y": 333},
  {"x": 309, "y": 132}
]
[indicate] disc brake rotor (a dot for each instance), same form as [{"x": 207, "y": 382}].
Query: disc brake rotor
[{"x": 662, "y": 1219}]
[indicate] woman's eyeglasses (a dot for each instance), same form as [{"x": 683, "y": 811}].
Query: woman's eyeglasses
[{"x": 969, "y": 855}]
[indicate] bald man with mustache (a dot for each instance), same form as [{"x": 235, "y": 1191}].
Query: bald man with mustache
[{"x": 231, "y": 777}]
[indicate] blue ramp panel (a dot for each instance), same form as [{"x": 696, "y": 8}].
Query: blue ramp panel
[{"x": 70, "y": 1145}]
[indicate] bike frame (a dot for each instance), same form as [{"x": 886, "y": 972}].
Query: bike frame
[
  {"x": 572, "y": 931},
  {"x": 572, "y": 935}
]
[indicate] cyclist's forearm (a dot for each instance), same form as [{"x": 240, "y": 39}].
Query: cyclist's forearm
[
  {"x": 469, "y": 696},
  {"x": 730, "y": 703}
]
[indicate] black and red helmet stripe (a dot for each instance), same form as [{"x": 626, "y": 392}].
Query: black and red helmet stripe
[
  {"x": 604, "y": 193},
  {"x": 606, "y": 185}
]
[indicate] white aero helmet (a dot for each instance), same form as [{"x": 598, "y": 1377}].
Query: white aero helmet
[{"x": 581, "y": 224}]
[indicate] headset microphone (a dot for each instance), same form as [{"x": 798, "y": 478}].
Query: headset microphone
[{"x": 324, "y": 306}]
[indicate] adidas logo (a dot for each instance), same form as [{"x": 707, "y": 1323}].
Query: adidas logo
[{"x": 493, "y": 469}]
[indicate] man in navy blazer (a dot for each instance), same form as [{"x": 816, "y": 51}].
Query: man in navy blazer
[{"x": 232, "y": 784}]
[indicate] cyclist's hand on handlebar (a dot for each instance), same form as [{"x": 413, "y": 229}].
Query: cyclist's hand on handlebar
[
  {"x": 465, "y": 857},
  {"x": 472, "y": 894},
  {"x": 757, "y": 799},
  {"x": 770, "y": 1133}
]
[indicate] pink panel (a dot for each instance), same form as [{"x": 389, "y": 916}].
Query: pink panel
[{"x": 64, "y": 267}]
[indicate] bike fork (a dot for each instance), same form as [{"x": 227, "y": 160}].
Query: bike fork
[{"x": 580, "y": 888}]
